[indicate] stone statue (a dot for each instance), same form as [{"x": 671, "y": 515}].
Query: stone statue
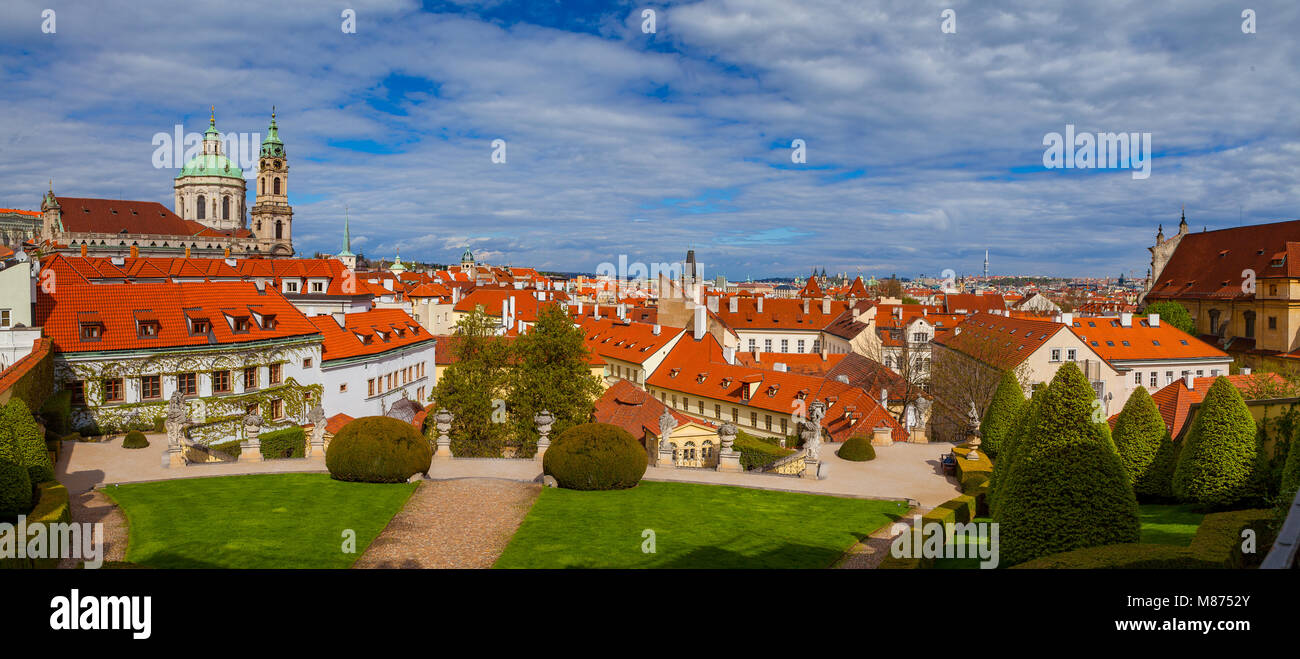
[
  {"x": 812, "y": 430},
  {"x": 176, "y": 420},
  {"x": 666, "y": 424},
  {"x": 544, "y": 421},
  {"x": 252, "y": 425},
  {"x": 317, "y": 419},
  {"x": 973, "y": 418}
]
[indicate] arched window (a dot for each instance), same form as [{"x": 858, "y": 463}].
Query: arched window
[
  {"x": 277, "y": 185},
  {"x": 225, "y": 208},
  {"x": 279, "y": 229},
  {"x": 1249, "y": 317},
  {"x": 202, "y": 208}
]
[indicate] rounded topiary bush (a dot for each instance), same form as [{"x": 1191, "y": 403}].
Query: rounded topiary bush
[
  {"x": 595, "y": 456},
  {"x": 378, "y": 449},
  {"x": 135, "y": 439},
  {"x": 857, "y": 449}
]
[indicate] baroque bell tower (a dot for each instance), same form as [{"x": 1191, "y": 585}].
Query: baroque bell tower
[{"x": 271, "y": 216}]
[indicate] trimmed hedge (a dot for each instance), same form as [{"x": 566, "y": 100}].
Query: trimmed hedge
[
  {"x": 857, "y": 449},
  {"x": 1290, "y": 480},
  {"x": 231, "y": 448},
  {"x": 1007, "y": 453},
  {"x": 1216, "y": 545},
  {"x": 51, "y": 507},
  {"x": 286, "y": 443},
  {"x": 1144, "y": 446},
  {"x": 15, "y": 489},
  {"x": 1066, "y": 487},
  {"x": 756, "y": 453},
  {"x": 1218, "y": 457},
  {"x": 595, "y": 456},
  {"x": 1000, "y": 417},
  {"x": 57, "y": 412},
  {"x": 378, "y": 449},
  {"x": 22, "y": 442},
  {"x": 135, "y": 439}
]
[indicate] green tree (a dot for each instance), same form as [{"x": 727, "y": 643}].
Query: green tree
[
  {"x": 1002, "y": 411},
  {"x": 1218, "y": 457},
  {"x": 1173, "y": 313},
  {"x": 471, "y": 387},
  {"x": 1144, "y": 446},
  {"x": 550, "y": 371},
  {"x": 1290, "y": 480},
  {"x": 1006, "y": 456},
  {"x": 1066, "y": 488}
]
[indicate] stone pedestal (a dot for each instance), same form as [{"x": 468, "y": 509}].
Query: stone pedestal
[
  {"x": 882, "y": 436},
  {"x": 541, "y": 451},
  {"x": 316, "y": 449},
  {"x": 544, "y": 420},
  {"x": 811, "y": 469},
  {"x": 250, "y": 450},
  {"x": 729, "y": 461},
  {"x": 174, "y": 456},
  {"x": 442, "y": 422}
]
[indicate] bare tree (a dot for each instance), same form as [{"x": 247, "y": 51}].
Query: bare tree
[{"x": 963, "y": 373}]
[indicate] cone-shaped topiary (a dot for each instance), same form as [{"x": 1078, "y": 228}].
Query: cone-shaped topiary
[
  {"x": 1010, "y": 441},
  {"x": 1218, "y": 456},
  {"x": 135, "y": 439},
  {"x": 378, "y": 449},
  {"x": 1065, "y": 488},
  {"x": 1144, "y": 447},
  {"x": 20, "y": 430},
  {"x": 595, "y": 456},
  {"x": 1000, "y": 417},
  {"x": 857, "y": 449},
  {"x": 1290, "y": 481}
]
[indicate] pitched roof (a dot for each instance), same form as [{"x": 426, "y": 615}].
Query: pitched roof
[
  {"x": 1210, "y": 264},
  {"x": 84, "y": 215},
  {"x": 780, "y": 313},
  {"x": 120, "y": 309},
  {"x": 368, "y": 333},
  {"x": 633, "y": 409},
  {"x": 1175, "y": 399},
  {"x": 1141, "y": 341},
  {"x": 972, "y": 303},
  {"x": 999, "y": 341},
  {"x": 94, "y": 269},
  {"x": 625, "y": 341}
]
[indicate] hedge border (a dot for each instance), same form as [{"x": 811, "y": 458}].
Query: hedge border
[{"x": 51, "y": 507}]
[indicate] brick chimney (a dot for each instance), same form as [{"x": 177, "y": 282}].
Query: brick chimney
[
  {"x": 733, "y": 304},
  {"x": 826, "y": 305},
  {"x": 760, "y": 304}
]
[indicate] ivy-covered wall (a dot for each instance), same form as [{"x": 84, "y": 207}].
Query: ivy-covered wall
[
  {"x": 30, "y": 378},
  {"x": 219, "y": 415}
]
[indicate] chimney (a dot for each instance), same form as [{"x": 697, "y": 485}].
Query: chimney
[
  {"x": 805, "y": 305},
  {"x": 83, "y": 249},
  {"x": 541, "y": 297},
  {"x": 339, "y": 317},
  {"x": 779, "y": 367},
  {"x": 826, "y": 305},
  {"x": 760, "y": 304},
  {"x": 1153, "y": 319},
  {"x": 733, "y": 304},
  {"x": 1189, "y": 381},
  {"x": 713, "y": 303},
  {"x": 135, "y": 252},
  {"x": 1126, "y": 320},
  {"x": 898, "y": 313},
  {"x": 227, "y": 251},
  {"x": 388, "y": 283},
  {"x": 756, "y": 359},
  {"x": 622, "y": 310},
  {"x": 1245, "y": 370},
  {"x": 701, "y": 322},
  {"x": 1067, "y": 318},
  {"x": 455, "y": 294},
  {"x": 884, "y": 397},
  {"x": 580, "y": 308},
  {"x": 654, "y": 329},
  {"x": 729, "y": 354},
  {"x": 856, "y": 313}
]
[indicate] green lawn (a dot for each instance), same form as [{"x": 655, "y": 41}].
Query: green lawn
[
  {"x": 695, "y": 526},
  {"x": 1169, "y": 524},
  {"x": 255, "y": 521}
]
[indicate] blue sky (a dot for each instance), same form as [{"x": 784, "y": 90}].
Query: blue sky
[{"x": 923, "y": 148}]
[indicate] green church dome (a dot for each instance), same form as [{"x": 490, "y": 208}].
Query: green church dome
[
  {"x": 210, "y": 164},
  {"x": 272, "y": 146}
]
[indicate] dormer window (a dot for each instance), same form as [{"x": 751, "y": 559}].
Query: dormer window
[
  {"x": 239, "y": 324},
  {"x": 148, "y": 330},
  {"x": 91, "y": 331},
  {"x": 673, "y": 373},
  {"x": 146, "y": 324}
]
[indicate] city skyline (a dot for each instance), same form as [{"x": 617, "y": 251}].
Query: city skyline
[{"x": 620, "y": 142}]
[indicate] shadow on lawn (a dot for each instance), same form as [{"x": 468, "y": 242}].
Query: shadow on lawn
[{"x": 785, "y": 556}]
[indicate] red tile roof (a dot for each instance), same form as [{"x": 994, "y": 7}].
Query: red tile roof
[
  {"x": 633, "y": 409},
  {"x": 115, "y": 308},
  {"x": 19, "y": 211},
  {"x": 1141, "y": 340},
  {"x": 697, "y": 368},
  {"x": 969, "y": 303},
  {"x": 1210, "y": 264},
  {"x": 999, "y": 341},
  {"x": 368, "y": 333},
  {"x": 99, "y": 269},
  {"x": 811, "y": 363},
  {"x": 780, "y": 313},
  {"x": 10, "y": 376},
  {"x": 82, "y": 215},
  {"x": 1175, "y": 399},
  {"x": 629, "y": 342}
]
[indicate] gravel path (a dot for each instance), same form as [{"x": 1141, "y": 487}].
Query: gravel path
[
  {"x": 463, "y": 523},
  {"x": 868, "y": 554},
  {"x": 93, "y": 506}
]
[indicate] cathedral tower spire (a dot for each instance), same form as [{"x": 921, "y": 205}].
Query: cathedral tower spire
[{"x": 272, "y": 217}]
